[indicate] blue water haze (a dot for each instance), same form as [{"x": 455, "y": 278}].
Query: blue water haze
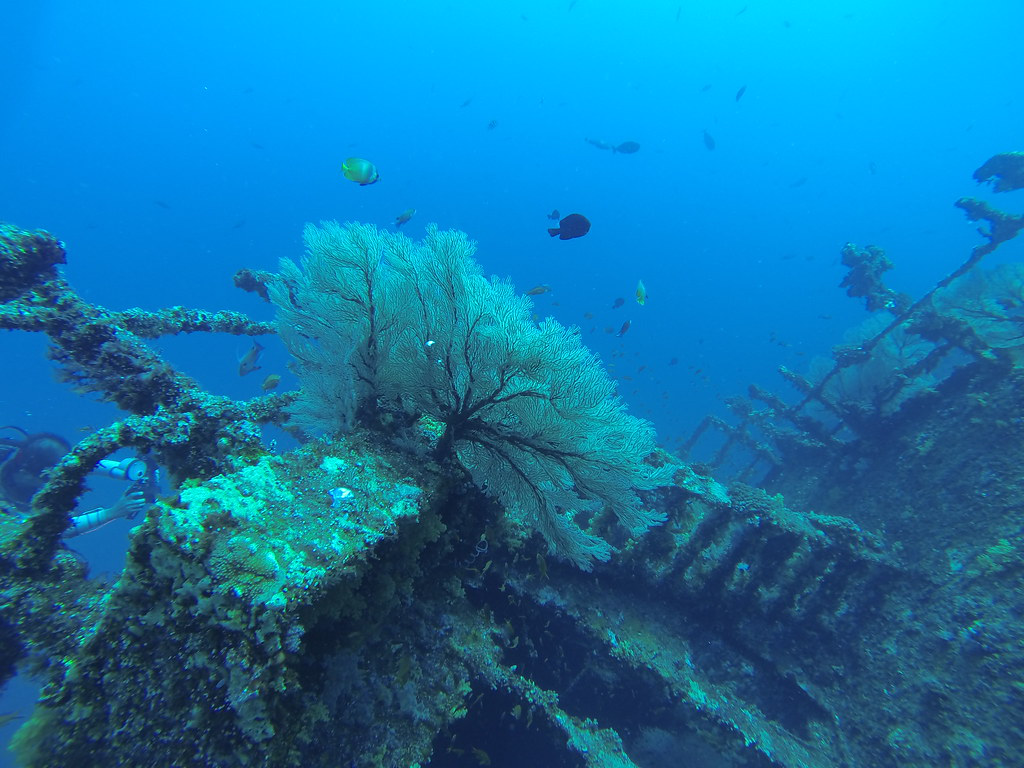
[{"x": 170, "y": 144}]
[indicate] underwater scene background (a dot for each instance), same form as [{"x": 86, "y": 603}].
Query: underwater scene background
[{"x": 168, "y": 146}]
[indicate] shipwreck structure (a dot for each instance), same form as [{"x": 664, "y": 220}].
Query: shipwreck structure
[{"x": 365, "y": 600}]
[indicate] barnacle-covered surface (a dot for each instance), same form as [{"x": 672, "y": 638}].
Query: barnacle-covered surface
[{"x": 358, "y": 602}]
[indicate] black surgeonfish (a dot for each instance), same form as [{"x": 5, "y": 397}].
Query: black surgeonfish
[{"x": 573, "y": 225}]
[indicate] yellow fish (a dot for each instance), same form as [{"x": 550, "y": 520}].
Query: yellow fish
[
  {"x": 270, "y": 382},
  {"x": 641, "y": 293},
  {"x": 363, "y": 172},
  {"x": 404, "y": 216}
]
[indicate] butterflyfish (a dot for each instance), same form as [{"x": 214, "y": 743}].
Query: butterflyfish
[{"x": 363, "y": 172}]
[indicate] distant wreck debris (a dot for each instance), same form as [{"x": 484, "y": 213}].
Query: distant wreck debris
[
  {"x": 1005, "y": 172},
  {"x": 930, "y": 327}
]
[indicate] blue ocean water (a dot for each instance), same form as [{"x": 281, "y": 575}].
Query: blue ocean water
[{"x": 169, "y": 145}]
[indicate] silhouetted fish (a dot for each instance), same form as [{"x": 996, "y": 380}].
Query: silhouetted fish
[
  {"x": 709, "y": 140},
  {"x": 618, "y": 303},
  {"x": 404, "y": 216},
  {"x": 740, "y": 92},
  {"x": 466, "y": 103},
  {"x": 798, "y": 183},
  {"x": 573, "y": 225},
  {"x": 627, "y": 147},
  {"x": 492, "y": 125},
  {"x": 554, "y": 215},
  {"x": 161, "y": 204}
]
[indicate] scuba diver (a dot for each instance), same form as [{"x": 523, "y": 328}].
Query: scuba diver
[{"x": 25, "y": 460}]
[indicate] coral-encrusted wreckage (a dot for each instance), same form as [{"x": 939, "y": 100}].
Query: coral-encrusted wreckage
[{"x": 477, "y": 557}]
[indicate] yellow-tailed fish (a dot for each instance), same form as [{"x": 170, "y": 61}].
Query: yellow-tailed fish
[
  {"x": 537, "y": 290},
  {"x": 271, "y": 382},
  {"x": 641, "y": 293},
  {"x": 363, "y": 172}
]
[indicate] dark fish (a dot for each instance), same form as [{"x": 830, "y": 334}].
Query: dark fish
[
  {"x": 161, "y": 204},
  {"x": 706, "y": 88},
  {"x": 627, "y": 147},
  {"x": 573, "y": 225},
  {"x": 537, "y": 290},
  {"x": 572, "y": 5},
  {"x": 238, "y": 224},
  {"x": 709, "y": 140},
  {"x": 740, "y": 92},
  {"x": 798, "y": 183},
  {"x": 255, "y": 145},
  {"x": 674, "y": 361},
  {"x": 623, "y": 329},
  {"x": 466, "y": 103},
  {"x": 492, "y": 125},
  {"x": 598, "y": 143},
  {"x": 618, "y": 302},
  {"x": 873, "y": 168},
  {"x": 741, "y": 11},
  {"x": 679, "y": 10},
  {"x": 404, "y": 216}
]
